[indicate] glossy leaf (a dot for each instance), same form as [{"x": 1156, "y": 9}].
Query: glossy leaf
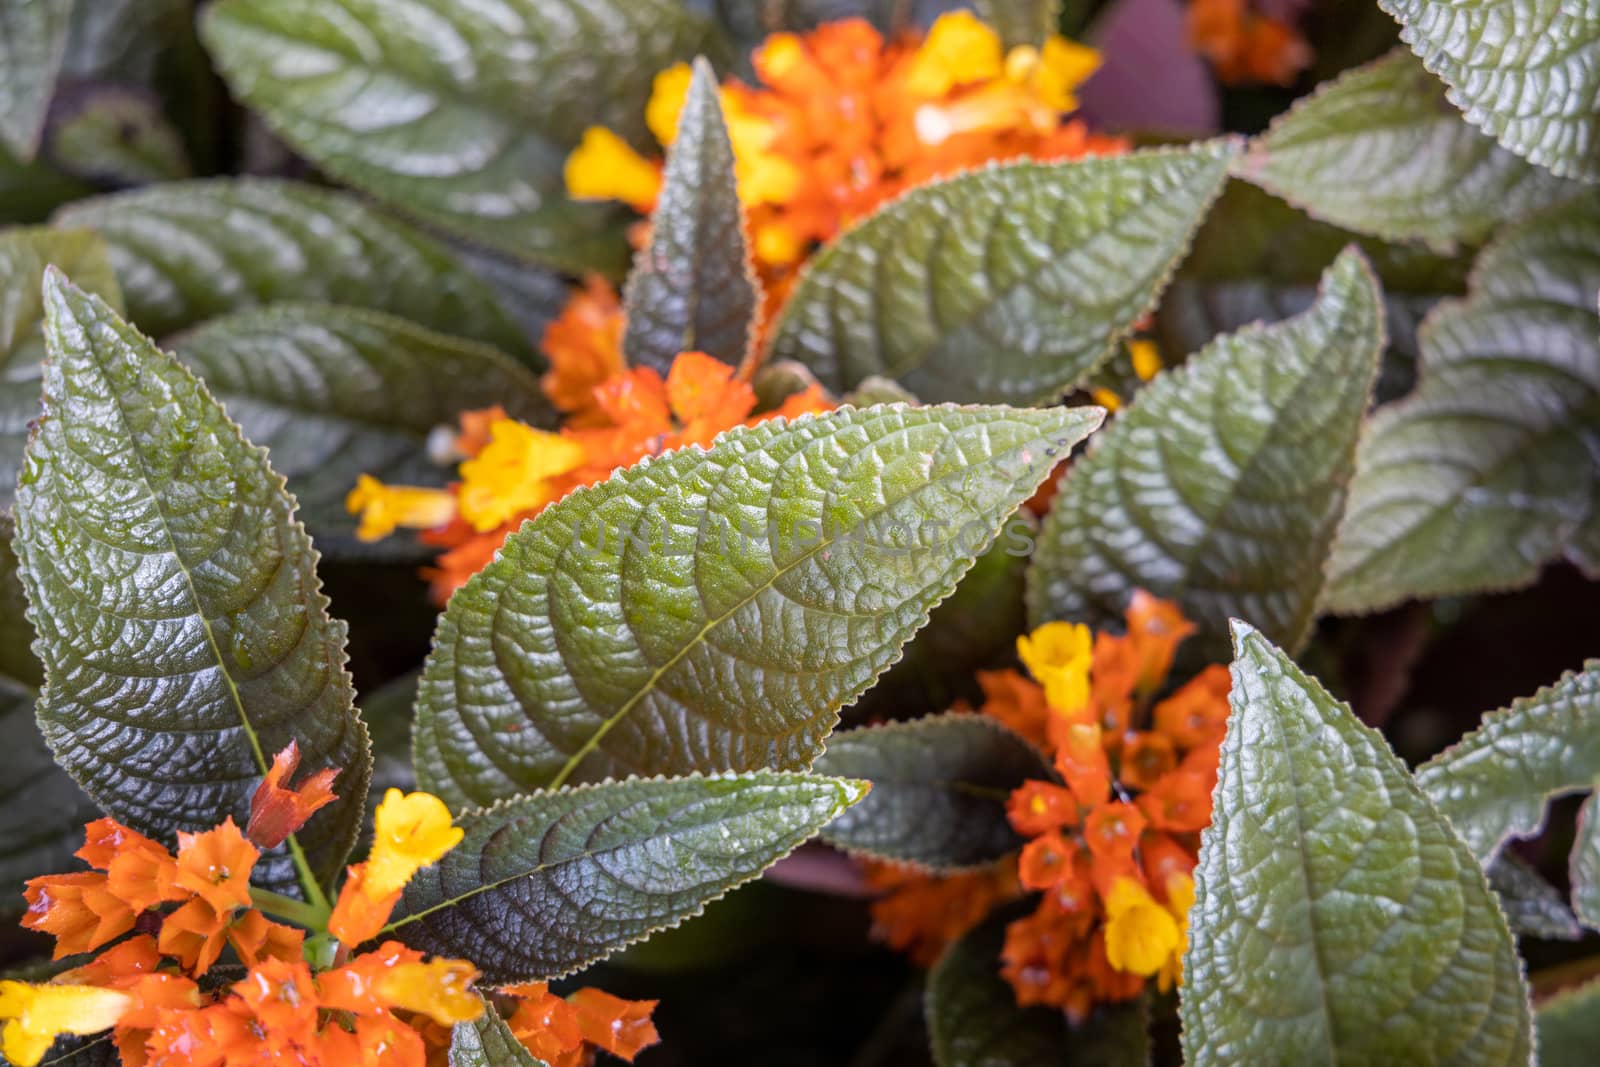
[
  {"x": 462, "y": 114},
  {"x": 1379, "y": 151},
  {"x": 1489, "y": 469},
  {"x": 182, "y": 627},
  {"x": 1337, "y": 917},
  {"x": 488, "y": 1042},
  {"x": 939, "y": 789},
  {"x": 336, "y": 392},
  {"x": 1222, "y": 484},
  {"x": 1532, "y": 906},
  {"x": 187, "y": 251},
  {"x": 1585, "y": 867},
  {"x": 1009, "y": 284},
  {"x": 546, "y": 884},
  {"x": 709, "y": 611},
  {"x": 1569, "y": 1027},
  {"x": 33, "y": 38},
  {"x": 693, "y": 288},
  {"x": 1525, "y": 71}
]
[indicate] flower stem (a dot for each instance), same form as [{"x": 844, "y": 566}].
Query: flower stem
[
  {"x": 312, "y": 916},
  {"x": 308, "y": 881}
]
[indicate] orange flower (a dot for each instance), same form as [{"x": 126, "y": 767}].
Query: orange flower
[
  {"x": 255, "y": 938},
  {"x": 120, "y": 965},
  {"x": 216, "y": 865},
  {"x": 546, "y": 1025},
  {"x": 1081, "y": 761},
  {"x": 1145, "y": 758},
  {"x": 920, "y": 915},
  {"x": 1155, "y": 627},
  {"x": 359, "y": 914},
  {"x": 1198, "y": 712},
  {"x": 79, "y": 910},
  {"x": 1112, "y": 832},
  {"x": 1040, "y": 807},
  {"x": 1046, "y": 861},
  {"x": 1244, "y": 46},
  {"x": 277, "y": 811},
  {"x": 139, "y": 871},
  {"x": 194, "y": 935},
  {"x": 584, "y": 347},
  {"x": 1180, "y": 801},
  {"x": 564, "y": 1033},
  {"x": 620, "y": 1027},
  {"x": 1017, "y": 702}
]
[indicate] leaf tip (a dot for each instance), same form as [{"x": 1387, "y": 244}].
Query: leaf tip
[{"x": 852, "y": 791}]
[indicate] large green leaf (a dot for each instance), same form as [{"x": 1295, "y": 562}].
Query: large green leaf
[
  {"x": 544, "y": 885},
  {"x": 336, "y": 392},
  {"x": 1337, "y": 918},
  {"x": 186, "y": 251},
  {"x": 488, "y": 1042},
  {"x": 462, "y": 114},
  {"x": 181, "y": 623},
  {"x": 1569, "y": 1027},
  {"x": 710, "y": 611},
  {"x": 1532, "y": 906},
  {"x": 1009, "y": 284},
  {"x": 1222, "y": 484},
  {"x": 693, "y": 288},
  {"x": 1585, "y": 866},
  {"x": 1380, "y": 152},
  {"x": 1525, "y": 71},
  {"x": 1492, "y": 466},
  {"x": 33, "y": 38},
  {"x": 939, "y": 789}
]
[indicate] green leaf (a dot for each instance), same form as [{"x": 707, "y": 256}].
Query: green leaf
[
  {"x": 24, "y": 255},
  {"x": 1337, "y": 919},
  {"x": 1585, "y": 866},
  {"x": 489, "y": 1042},
  {"x": 182, "y": 627},
  {"x": 335, "y": 392},
  {"x": 1489, "y": 469},
  {"x": 1525, "y": 71},
  {"x": 1569, "y": 1027},
  {"x": 708, "y": 611},
  {"x": 33, "y": 38},
  {"x": 939, "y": 789},
  {"x": 544, "y": 885},
  {"x": 1221, "y": 485},
  {"x": 1494, "y": 783},
  {"x": 1379, "y": 151},
  {"x": 693, "y": 289},
  {"x": 187, "y": 251},
  {"x": 1009, "y": 284},
  {"x": 974, "y": 1021},
  {"x": 17, "y": 661},
  {"x": 1532, "y": 906},
  {"x": 462, "y": 114},
  {"x": 1020, "y": 21},
  {"x": 115, "y": 135}
]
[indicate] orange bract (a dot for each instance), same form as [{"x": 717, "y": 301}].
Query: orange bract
[
  {"x": 1245, "y": 46},
  {"x": 920, "y": 915},
  {"x": 276, "y": 811}
]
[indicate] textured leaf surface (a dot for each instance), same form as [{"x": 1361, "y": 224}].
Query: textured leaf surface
[
  {"x": 184, "y": 633},
  {"x": 1569, "y": 1027},
  {"x": 1009, "y": 284},
  {"x": 1585, "y": 866},
  {"x": 692, "y": 289},
  {"x": 1492, "y": 466},
  {"x": 546, "y": 884},
  {"x": 1494, "y": 783},
  {"x": 335, "y": 392},
  {"x": 488, "y": 1042},
  {"x": 1525, "y": 71},
  {"x": 33, "y": 38},
  {"x": 1379, "y": 151},
  {"x": 712, "y": 610},
  {"x": 1532, "y": 906},
  {"x": 1222, "y": 484},
  {"x": 939, "y": 789},
  {"x": 117, "y": 136},
  {"x": 462, "y": 114},
  {"x": 1337, "y": 918},
  {"x": 186, "y": 251}
]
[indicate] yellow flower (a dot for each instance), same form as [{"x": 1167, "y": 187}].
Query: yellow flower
[
  {"x": 958, "y": 50},
  {"x": 1053, "y": 73},
  {"x": 1180, "y": 898},
  {"x": 1105, "y": 398},
  {"x": 410, "y": 831},
  {"x": 1141, "y": 935},
  {"x": 512, "y": 474},
  {"x": 667, "y": 94},
  {"x": 440, "y": 989},
  {"x": 1146, "y": 359},
  {"x": 384, "y": 507},
  {"x": 605, "y": 167},
  {"x": 37, "y": 1014},
  {"x": 1058, "y": 655}
]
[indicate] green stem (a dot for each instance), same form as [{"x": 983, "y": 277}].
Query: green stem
[
  {"x": 312, "y": 916},
  {"x": 308, "y": 881}
]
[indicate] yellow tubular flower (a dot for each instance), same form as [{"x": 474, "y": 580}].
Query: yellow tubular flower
[
  {"x": 667, "y": 95},
  {"x": 439, "y": 989},
  {"x": 1141, "y": 935},
  {"x": 605, "y": 167},
  {"x": 37, "y": 1014},
  {"x": 384, "y": 507},
  {"x": 1146, "y": 359},
  {"x": 410, "y": 831},
  {"x": 512, "y": 474},
  {"x": 1180, "y": 898},
  {"x": 1106, "y": 399},
  {"x": 1062, "y": 66},
  {"x": 958, "y": 50},
  {"x": 1058, "y": 655}
]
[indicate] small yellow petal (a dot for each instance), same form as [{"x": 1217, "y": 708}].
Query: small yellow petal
[
  {"x": 512, "y": 473},
  {"x": 1141, "y": 935},
  {"x": 1146, "y": 359},
  {"x": 1063, "y": 66},
  {"x": 383, "y": 508},
  {"x": 440, "y": 989},
  {"x": 959, "y": 50},
  {"x": 410, "y": 831},
  {"x": 1106, "y": 399},
  {"x": 37, "y": 1014},
  {"x": 667, "y": 95},
  {"x": 777, "y": 245},
  {"x": 605, "y": 167}
]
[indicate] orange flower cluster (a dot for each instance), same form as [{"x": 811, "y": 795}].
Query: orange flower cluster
[
  {"x": 303, "y": 1002},
  {"x": 921, "y": 915},
  {"x": 1247, "y": 47},
  {"x": 1111, "y": 844},
  {"x": 615, "y": 416}
]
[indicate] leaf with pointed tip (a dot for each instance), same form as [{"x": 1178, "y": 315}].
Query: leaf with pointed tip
[
  {"x": 693, "y": 289},
  {"x": 187, "y": 251},
  {"x": 336, "y": 392},
  {"x": 939, "y": 789},
  {"x": 1569, "y": 1027},
  {"x": 547, "y": 884},
  {"x": 1337, "y": 918},
  {"x": 1525, "y": 71},
  {"x": 489, "y": 1042},
  {"x": 1491, "y": 467},
  {"x": 1221, "y": 485},
  {"x": 461, "y": 114},
  {"x": 1532, "y": 906},
  {"x": 183, "y": 630},
  {"x": 33, "y": 38},
  {"x": 1009, "y": 284},
  {"x": 1379, "y": 151},
  {"x": 711, "y": 611}
]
